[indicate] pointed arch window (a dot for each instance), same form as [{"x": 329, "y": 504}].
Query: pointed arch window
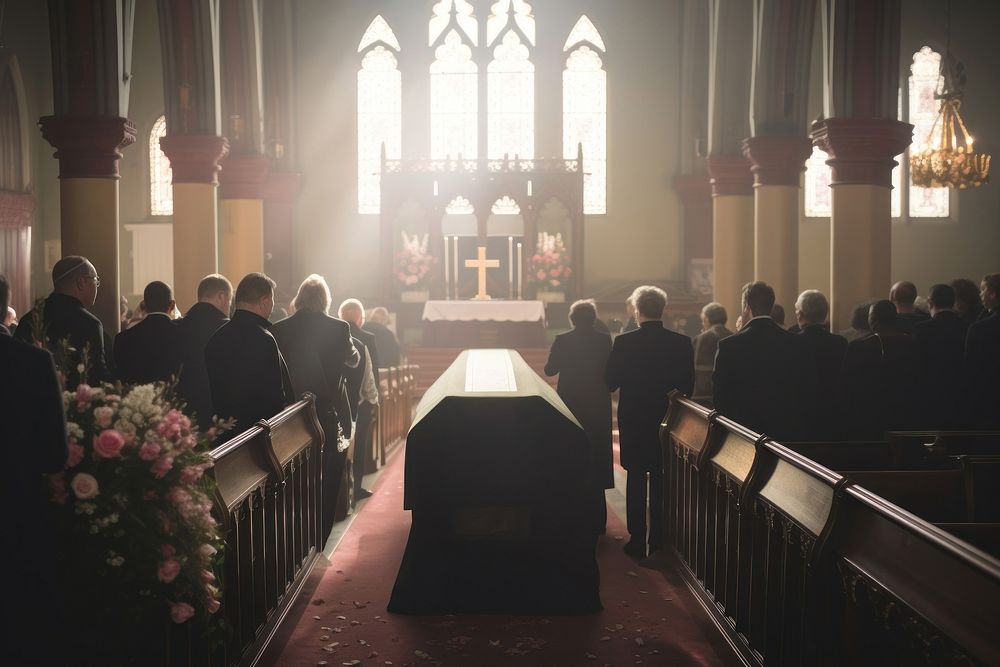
[
  {"x": 511, "y": 81},
  {"x": 161, "y": 192},
  {"x": 925, "y": 80},
  {"x": 585, "y": 102},
  {"x": 380, "y": 119},
  {"x": 454, "y": 99}
]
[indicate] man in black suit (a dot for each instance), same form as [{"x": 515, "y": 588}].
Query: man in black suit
[
  {"x": 982, "y": 359},
  {"x": 713, "y": 329},
  {"x": 246, "y": 373},
  {"x": 811, "y": 311},
  {"x": 33, "y": 430},
  {"x": 150, "y": 351},
  {"x": 764, "y": 377},
  {"x": 941, "y": 346},
  {"x": 903, "y": 295},
  {"x": 215, "y": 298},
  {"x": 65, "y": 317},
  {"x": 646, "y": 365},
  {"x": 580, "y": 356},
  {"x": 362, "y": 387},
  {"x": 317, "y": 348},
  {"x": 385, "y": 339}
]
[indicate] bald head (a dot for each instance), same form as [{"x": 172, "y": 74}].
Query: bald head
[
  {"x": 902, "y": 295},
  {"x": 75, "y": 276}
]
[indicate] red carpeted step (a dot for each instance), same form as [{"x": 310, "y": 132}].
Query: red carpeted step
[{"x": 648, "y": 618}]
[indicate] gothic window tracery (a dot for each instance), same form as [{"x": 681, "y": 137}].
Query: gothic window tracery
[
  {"x": 161, "y": 192},
  {"x": 511, "y": 82},
  {"x": 585, "y": 92},
  {"x": 379, "y": 109}
]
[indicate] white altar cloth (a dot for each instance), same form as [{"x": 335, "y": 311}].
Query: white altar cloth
[{"x": 484, "y": 311}]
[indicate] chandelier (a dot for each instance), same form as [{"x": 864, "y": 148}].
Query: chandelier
[{"x": 949, "y": 159}]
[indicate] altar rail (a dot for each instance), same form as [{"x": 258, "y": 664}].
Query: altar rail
[{"x": 800, "y": 564}]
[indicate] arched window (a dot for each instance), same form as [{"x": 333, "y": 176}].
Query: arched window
[
  {"x": 380, "y": 95},
  {"x": 816, "y": 186},
  {"x": 511, "y": 81},
  {"x": 585, "y": 102},
  {"x": 454, "y": 81},
  {"x": 925, "y": 81},
  {"x": 161, "y": 192}
]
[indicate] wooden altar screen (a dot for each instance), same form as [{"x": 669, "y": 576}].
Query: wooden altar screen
[{"x": 433, "y": 184}]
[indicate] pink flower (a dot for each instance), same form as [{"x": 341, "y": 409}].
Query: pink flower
[
  {"x": 168, "y": 570},
  {"x": 206, "y": 551},
  {"x": 83, "y": 392},
  {"x": 207, "y": 577},
  {"x": 540, "y": 275},
  {"x": 108, "y": 444},
  {"x": 211, "y": 605},
  {"x": 84, "y": 486},
  {"x": 167, "y": 550},
  {"x": 149, "y": 451},
  {"x": 180, "y": 612},
  {"x": 75, "y": 455},
  {"x": 103, "y": 415},
  {"x": 190, "y": 474},
  {"x": 162, "y": 466}
]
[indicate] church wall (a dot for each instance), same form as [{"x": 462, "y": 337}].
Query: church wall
[{"x": 640, "y": 237}]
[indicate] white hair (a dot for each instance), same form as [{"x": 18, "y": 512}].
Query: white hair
[
  {"x": 313, "y": 295},
  {"x": 351, "y": 306},
  {"x": 813, "y": 306}
]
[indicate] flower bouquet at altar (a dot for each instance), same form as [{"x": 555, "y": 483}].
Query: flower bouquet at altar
[
  {"x": 138, "y": 547},
  {"x": 549, "y": 268},
  {"x": 413, "y": 263}
]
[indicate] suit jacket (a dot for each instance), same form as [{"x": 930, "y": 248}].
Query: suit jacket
[
  {"x": 941, "y": 344},
  {"x": 195, "y": 329},
  {"x": 765, "y": 379},
  {"x": 907, "y": 321},
  {"x": 246, "y": 373},
  {"x": 882, "y": 385},
  {"x": 317, "y": 349},
  {"x": 66, "y": 318},
  {"x": 580, "y": 356},
  {"x": 982, "y": 371},
  {"x": 829, "y": 351},
  {"x": 646, "y": 365},
  {"x": 385, "y": 343},
  {"x": 355, "y": 380},
  {"x": 705, "y": 345},
  {"x": 150, "y": 351}
]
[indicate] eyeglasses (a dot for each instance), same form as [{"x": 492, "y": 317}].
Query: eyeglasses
[{"x": 96, "y": 279}]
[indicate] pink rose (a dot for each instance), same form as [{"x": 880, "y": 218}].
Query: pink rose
[
  {"x": 84, "y": 486},
  {"x": 167, "y": 550},
  {"x": 212, "y": 605},
  {"x": 206, "y": 551},
  {"x": 108, "y": 444},
  {"x": 103, "y": 415},
  {"x": 540, "y": 275},
  {"x": 190, "y": 474},
  {"x": 168, "y": 571},
  {"x": 180, "y": 612},
  {"x": 75, "y": 455},
  {"x": 162, "y": 466},
  {"x": 207, "y": 577},
  {"x": 83, "y": 392},
  {"x": 149, "y": 451}
]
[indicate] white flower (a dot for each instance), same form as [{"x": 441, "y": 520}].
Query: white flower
[{"x": 85, "y": 487}]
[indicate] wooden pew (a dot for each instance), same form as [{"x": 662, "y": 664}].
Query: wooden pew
[{"x": 981, "y": 443}]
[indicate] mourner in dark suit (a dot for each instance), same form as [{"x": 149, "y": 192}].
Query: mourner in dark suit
[
  {"x": 941, "y": 344},
  {"x": 65, "y": 317},
  {"x": 215, "y": 298},
  {"x": 246, "y": 373},
  {"x": 764, "y": 378},
  {"x": 364, "y": 397},
  {"x": 385, "y": 339},
  {"x": 579, "y": 356},
  {"x": 811, "y": 311},
  {"x": 968, "y": 300},
  {"x": 713, "y": 329},
  {"x": 33, "y": 431},
  {"x": 317, "y": 348},
  {"x": 646, "y": 365},
  {"x": 150, "y": 351},
  {"x": 903, "y": 295},
  {"x": 982, "y": 359}
]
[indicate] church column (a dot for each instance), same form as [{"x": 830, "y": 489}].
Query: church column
[
  {"x": 281, "y": 189},
  {"x": 241, "y": 216},
  {"x": 91, "y": 62},
  {"x": 730, "y": 48},
  {"x": 861, "y": 135},
  {"x": 189, "y": 40}
]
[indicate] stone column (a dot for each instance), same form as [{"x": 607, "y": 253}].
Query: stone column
[
  {"x": 241, "y": 216},
  {"x": 778, "y": 162},
  {"x": 280, "y": 191},
  {"x": 733, "y": 229},
  {"x": 695, "y": 193},
  {"x": 88, "y": 150},
  {"x": 194, "y": 161}
]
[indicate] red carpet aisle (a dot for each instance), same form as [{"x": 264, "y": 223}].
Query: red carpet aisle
[{"x": 647, "y": 619}]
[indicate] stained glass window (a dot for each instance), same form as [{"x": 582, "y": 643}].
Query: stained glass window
[
  {"x": 511, "y": 100},
  {"x": 925, "y": 81},
  {"x": 816, "y": 185},
  {"x": 442, "y": 18},
  {"x": 454, "y": 100},
  {"x": 500, "y": 15},
  {"x": 161, "y": 192},
  {"x": 585, "y": 99},
  {"x": 379, "y": 111}
]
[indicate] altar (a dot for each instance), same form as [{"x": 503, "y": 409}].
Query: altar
[{"x": 479, "y": 324}]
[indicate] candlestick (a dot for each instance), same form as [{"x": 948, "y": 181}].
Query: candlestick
[
  {"x": 447, "y": 271},
  {"x": 454, "y": 259},
  {"x": 519, "y": 273},
  {"x": 510, "y": 267}
]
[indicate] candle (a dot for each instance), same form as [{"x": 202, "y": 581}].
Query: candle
[
  {"x": 519, "y": 274},
  {"x": 454, "y": 258},
  {"x": 447, "y": 271},
  {"x": 510, "y": 267}
]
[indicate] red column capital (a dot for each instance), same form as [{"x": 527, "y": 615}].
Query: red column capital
[
  {"x": 243, "y": 177},
  {"x": 87, "y": 146},
  {"x": 730, "y": 175},
  {"x": 862, "y": 150},
  {"x": 194, "y": 158},
  {"x": 777, "y": 159}
]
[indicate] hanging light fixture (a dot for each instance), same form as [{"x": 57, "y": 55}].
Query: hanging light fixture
[{"x": 950, "y": 159}]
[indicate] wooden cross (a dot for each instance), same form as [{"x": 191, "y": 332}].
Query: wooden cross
[{"x": 481, "y": 263}]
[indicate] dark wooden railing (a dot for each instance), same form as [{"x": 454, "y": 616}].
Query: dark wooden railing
[
  {"x": 397, "y": 389},
  {"x": 802, "y": 564}
]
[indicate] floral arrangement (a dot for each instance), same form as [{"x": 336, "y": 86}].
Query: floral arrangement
[
  {"x": 413, "y": 261},
  {"x": 133, "y": 509},
  {"x": 549, "y": 266}
]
